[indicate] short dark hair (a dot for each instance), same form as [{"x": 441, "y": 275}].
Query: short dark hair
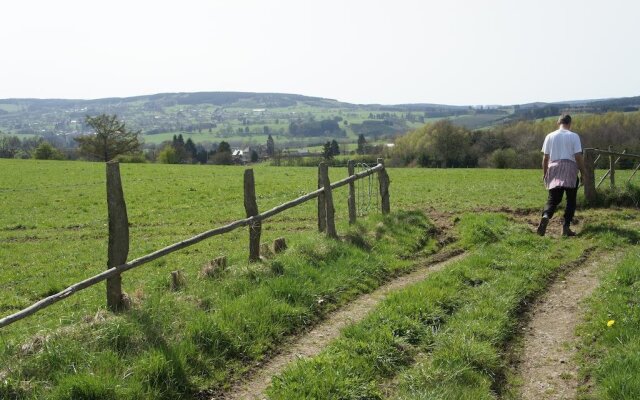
[{"x": 564, "y": 119}]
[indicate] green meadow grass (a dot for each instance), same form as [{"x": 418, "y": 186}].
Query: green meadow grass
[
  {"x": 442, "y": 337},
  {"x": 53, "y": 225},
  {"x": 610, "y": 345},
  {"x": 445, "y": 338},
  {"x": 173, "y": 344},
  {"x": 53, "y": 232}
]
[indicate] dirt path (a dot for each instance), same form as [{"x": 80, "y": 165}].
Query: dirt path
[
  {"x": 547, "y": 366},
  {"x": 312, "y": 342}
]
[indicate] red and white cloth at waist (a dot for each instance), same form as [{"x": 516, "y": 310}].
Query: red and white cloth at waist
[{"x": 561, "y": 173}]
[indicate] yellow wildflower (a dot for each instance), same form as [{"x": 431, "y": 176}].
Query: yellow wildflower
[{"x": 610, "y": 323}]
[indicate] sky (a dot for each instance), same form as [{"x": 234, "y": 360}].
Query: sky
[{"x": 388, "y": 52}]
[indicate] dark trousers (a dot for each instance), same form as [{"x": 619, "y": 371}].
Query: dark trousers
[{"x": 555, "y": 197}]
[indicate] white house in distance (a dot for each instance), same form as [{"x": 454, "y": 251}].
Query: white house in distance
[{"x": 241, "y": 156}]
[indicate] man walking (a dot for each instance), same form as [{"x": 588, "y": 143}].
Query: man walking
[{"x": 562, "y": 160}]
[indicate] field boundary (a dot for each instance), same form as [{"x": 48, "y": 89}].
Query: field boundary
[{"x": 119, "y": 230}]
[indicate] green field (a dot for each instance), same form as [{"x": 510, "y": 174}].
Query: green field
[{"x": 199, "y": 339}]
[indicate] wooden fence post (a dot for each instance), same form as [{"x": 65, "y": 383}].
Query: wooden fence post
[
  {"x": 383, "y": 179},
  {"x": 251, "y": 207},
  {"x": 351, "y": 200},
  {"x": 589, "y": 180},
  {"x": 322, "y": 208},
  {"x": 612, "y": 169},
  {"x": 118, "y": 249},
  {"x": 328, "y": 199},
  {"x": 279, "y": 245}
]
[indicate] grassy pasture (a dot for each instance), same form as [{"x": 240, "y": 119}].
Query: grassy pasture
[
  {"x": 208, "y": 331},
  {"x": 54, "y": 219},
  {"x": 54, "y": 216},
  {"x": 53, "y": 232}
]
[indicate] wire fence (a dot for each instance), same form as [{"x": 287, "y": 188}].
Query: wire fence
[{"x": 367, "y": 192}]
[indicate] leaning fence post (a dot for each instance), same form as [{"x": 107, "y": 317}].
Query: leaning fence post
[
  {"x": 251, "y": 208},
  {"x": 612, "y": 169},
  {"x": 352, "y": 193},
  {"x": 328, "y": 198},
  {"x": 322, "y": 210},
  {"x": 118, "y": 248},
  {"x": 589, "y": 180},
  {"x": 383, "y": 179}
]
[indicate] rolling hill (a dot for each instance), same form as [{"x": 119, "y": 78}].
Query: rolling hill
[{"x": 244, "y": 117}]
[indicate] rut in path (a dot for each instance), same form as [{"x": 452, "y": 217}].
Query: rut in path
[
  {"x": 547, "y": 366},
  {"x": 313, "y": 341}
]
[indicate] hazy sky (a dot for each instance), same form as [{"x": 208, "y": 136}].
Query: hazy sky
[{"x": 447, "y": 51}]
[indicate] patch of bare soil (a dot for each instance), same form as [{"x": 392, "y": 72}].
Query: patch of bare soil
[
  {"x": 312, "y": 342},
  {"x": 547, "y": 366}
]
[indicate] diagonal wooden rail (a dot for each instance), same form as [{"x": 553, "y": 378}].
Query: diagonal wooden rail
[{"x": 116, "y": 271}]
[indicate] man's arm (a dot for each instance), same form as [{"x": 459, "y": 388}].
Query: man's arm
[
  {"x": 545, "y": 166},
  {"x": 580, "y": 162}
]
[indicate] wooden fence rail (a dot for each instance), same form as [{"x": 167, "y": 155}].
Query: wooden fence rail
[
  {"x": 590, "y": 186},
  {"x": 118, "y": 232}
]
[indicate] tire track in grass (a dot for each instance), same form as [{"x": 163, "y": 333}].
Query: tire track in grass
[
  {"x": 312, "y": 342},
  {"x": 547, "y": 366}
]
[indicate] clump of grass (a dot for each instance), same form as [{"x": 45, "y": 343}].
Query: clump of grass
[
  {"x": 627, "y": 195},
  {"x": 11, "y": 389},
  {"x": 459, "y": 317},
  {"x": 84, "y": 387},
  {"x": 482, "y": 229},
  {"x": 163, "y": 375},
  {"x": 610, "y": 350}
]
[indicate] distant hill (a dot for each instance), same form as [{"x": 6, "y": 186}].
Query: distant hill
[{"x": 245, "y": 117}]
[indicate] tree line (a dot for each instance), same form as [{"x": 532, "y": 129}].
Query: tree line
[
  {"x": 515, "y": 145},
  {"x": 439, "y": 144},
  {"x": 111, "y": 139}
]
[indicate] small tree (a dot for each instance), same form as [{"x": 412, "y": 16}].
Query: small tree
[
  {"x": 169, "y": 155},
  {"x": 190, "y": 148},
  {"x": 335, "y": 148},
  {"x": 223, "y": 147},
  {"x": 201, "y": 155},
  {"x": 222, "y": 158},
  {"x": 327, "y": 151},
  {"x": 361, "y": 144},
  {"x": 45, "y": 151},
  {"x": 271, "y": 146},
  {"x": 222, "y": 154},
  {"x": 111, "y": 138},
  {"x": 254, "y": 156},
  {"x": 504, "y": 158}
]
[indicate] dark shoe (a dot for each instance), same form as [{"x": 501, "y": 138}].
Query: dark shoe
[
  {"x": 566, "y": 231},
  {"x": 542, "y": 227}
]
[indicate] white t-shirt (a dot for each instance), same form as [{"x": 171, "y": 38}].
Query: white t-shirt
[{"x": 562, "y": 145}]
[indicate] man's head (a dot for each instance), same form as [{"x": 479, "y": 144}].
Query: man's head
[{"x": 565, "y": 119}]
